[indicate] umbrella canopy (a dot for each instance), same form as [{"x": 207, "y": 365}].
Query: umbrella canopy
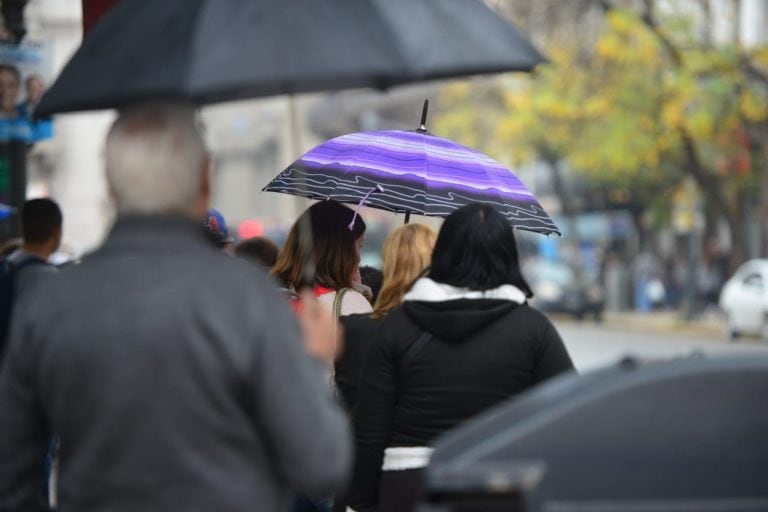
[
  {"x": 219, "y": 50},
  {"x": 410, "y": 171},
  {"x": 669, "y": 436}
]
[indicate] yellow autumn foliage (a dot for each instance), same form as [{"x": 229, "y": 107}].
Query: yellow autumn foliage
[
  {"x": 752, "y": 106},
  {"x": 621, "y": 116}
]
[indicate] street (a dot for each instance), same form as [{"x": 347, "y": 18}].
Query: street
[{"x": 593, "y": 345}]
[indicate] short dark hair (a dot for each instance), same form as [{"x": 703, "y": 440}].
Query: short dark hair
[
  {"x": 333, "y": 247},
  {"x": 373, "y": 278},
  {"x": 476, "y": 249},
  {"x": 40, "y": 219},
  {"x": 259, "y": 249}
]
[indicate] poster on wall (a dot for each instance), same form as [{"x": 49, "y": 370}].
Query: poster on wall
[{"x": 24, "y": 70}]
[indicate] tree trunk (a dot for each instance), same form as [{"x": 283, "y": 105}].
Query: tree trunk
[
  {"x": 558, "y": 183},
  {"x": 738, "y": 227}
]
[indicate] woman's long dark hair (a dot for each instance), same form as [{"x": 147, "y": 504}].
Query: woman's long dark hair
[
  {"x": 333, "y": 247},
  {"x": 476, "y": 249}
]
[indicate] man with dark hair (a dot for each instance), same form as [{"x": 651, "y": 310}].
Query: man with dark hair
[
  {"x": 41, "y": 229},
  {"x": 41, "y": 235}
]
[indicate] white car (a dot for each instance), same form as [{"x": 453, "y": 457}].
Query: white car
[{"x": 744, "y": 300}]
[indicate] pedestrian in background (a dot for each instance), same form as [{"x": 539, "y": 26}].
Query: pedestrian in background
[
  {"x": 174, "y": 375},
  {"x": 407, "y": 251},
  {"x": 372, "y": 277},
  {"x": 41, "y": 232},
  {"x": 218, "y": 232},
  {"x": 258, "y": 249}
]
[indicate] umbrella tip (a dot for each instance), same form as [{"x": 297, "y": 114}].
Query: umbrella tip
[{"x": 423, "y": 125}]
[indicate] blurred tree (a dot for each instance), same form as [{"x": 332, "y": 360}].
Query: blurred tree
[{"x": 634, "y": 106}]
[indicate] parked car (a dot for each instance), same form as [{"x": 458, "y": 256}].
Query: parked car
[
  {"x": 560, "y": 288},
  {"x": 744, "y": 300},
  {"x": 662, "y": 436}
]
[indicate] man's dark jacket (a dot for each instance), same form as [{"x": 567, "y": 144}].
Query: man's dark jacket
[{"x": 176, "y": 378}]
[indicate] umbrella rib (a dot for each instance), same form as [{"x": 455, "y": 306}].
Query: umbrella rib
[
  {"x": 395, "y": 42},
  {"x": 425, "y": 169}
]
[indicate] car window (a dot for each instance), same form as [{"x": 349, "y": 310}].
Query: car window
[
  {"x": 754, "y": 281},
  {"x": 551, "y": 271}
]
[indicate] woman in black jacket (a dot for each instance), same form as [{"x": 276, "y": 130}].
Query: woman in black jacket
[{"x": 463, "y": 340}]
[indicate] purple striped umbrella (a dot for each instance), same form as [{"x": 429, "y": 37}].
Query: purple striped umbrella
[{"x": 410, "y": 172}]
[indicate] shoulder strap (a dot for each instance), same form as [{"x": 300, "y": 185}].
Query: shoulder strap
[
  {"x": 26, "y": 262},
  {"x": 337, "y": 302},
  {"x": 7, "y": 265},
  {"x": 414, "y": 348}
]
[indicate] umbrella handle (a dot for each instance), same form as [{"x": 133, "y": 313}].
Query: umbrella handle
[
  {"x": 377, "y": 188},
  {"x": 407, "y": 216}
]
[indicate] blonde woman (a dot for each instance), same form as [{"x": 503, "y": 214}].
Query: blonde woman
[{"x": 406, "y": 253}]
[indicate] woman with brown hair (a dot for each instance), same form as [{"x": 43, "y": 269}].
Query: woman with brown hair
[
  {"x": 406, "y": 254},
  {"x": 337, "y": 237},
  {"x": 333, "y": 259}
]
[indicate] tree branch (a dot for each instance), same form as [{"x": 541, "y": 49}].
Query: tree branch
[
  {"x": 709, "y": 184},
  {"x": 753, "y": 71}
]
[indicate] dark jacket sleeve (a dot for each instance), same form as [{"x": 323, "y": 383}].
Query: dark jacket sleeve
[
  {"x": 375, "y": 408},
  {"x": 550, "y": 355}
]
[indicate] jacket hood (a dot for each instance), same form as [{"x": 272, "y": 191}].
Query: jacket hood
[{"x": 455, "y": 314}]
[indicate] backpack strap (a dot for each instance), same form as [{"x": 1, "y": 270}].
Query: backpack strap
[
  {"x": 8, "y": 270},
  {"x": 26, "y": 262},
  {"x": 11, "y": 268}
]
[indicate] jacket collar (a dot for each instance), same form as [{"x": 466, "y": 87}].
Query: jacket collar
[
  {"x": 427, "y": 290},
  {"x": 156, "y": 232}
]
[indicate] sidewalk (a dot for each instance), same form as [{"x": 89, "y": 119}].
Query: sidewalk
[
  {"x": 710, "y": 326},
  {"x": 673, "y": 322}
]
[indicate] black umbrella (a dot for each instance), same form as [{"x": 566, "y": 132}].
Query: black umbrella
[
  {"x": 677, "y": 436},
  {"x": 219, "y": 50}
]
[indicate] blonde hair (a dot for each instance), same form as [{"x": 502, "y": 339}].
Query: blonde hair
[{"x": 407, "y": 252}]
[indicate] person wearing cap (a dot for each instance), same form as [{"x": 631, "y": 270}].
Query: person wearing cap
[{"x": 217, "y": 228}]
